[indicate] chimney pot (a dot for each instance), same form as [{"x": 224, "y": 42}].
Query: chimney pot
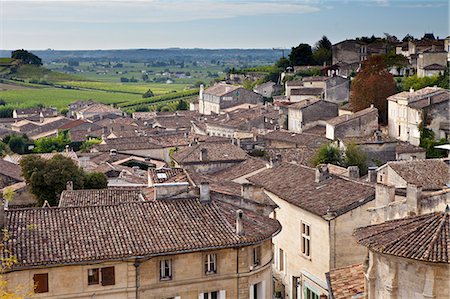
[
  {"x": 69, "y": 185},
  {"x": 353, "y": 172},
  {"x": 203, "y": 154},
  {"x": 205, "y": 194},
  {"x": 372, "y": 174},
  {"x": 322, "y": 173},
  {"x": 239, "y": 225}
]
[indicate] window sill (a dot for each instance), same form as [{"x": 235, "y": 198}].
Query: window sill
[
  {"x": 210, "y": 272},
  {"x": 165, "y": 279},
  {"x": 305, "y": 257}
]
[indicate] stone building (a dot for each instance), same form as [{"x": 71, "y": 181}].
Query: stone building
[
  {"x": 318, "y": 212},
  {"x": 431, "y": 63},
  {"x": 129, "y": 246},
  {"x": 407, "y": 188},
  {"x": 427, "y": 107},
  {"x": 308, "y": 113},
  {"x": 358, "y": 124},
  {"x": 95, "y": 110},
  {"x": 209, "y": 157},
  {"x": 349, "y": 51},
  {"x": 221, "y": 96},
  {"x": 10, "y": 173},
  {"x": 268, "y": 89},
  {"x": 408, "y": 257},
  {"x": 336, "y": 88}
]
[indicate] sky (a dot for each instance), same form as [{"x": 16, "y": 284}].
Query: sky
[{"x": 126, "y": 24}]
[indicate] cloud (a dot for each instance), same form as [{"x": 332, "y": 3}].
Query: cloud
[{"x": 147, "y": 11}]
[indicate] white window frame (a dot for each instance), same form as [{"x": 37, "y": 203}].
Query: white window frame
[
  {"x": 165, "y": 264},
  {"x": 220, "y": 294},
  {"x": 305, "y": 239},
  {"x": 256, "y": 256},
  {"x": 210, "y": 263}
]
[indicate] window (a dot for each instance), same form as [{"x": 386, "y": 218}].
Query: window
[
  {"x": 310, "y": 294},
  {"x": 257, "y": 256},
  {"x": 107, "y": 276},
  {"x": 40, "y": 283},
  {"x": 211, "y": 295},
  {"x": 306, "y": 240},
  {"x": 165, "y": 269},
  {"x": 210, "y": 263},
  {"x": 281, "y": 260},
  {"x": 93, "y": 276}
]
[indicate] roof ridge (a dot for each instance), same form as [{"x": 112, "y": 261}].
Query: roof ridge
[{"x": 436, "y": 235}]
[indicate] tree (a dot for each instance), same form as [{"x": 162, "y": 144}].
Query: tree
[
  {"x": 148, "y": 94},
  {"x": 282, "y": 63},
  {"x": 328, "y": 153},
  {"x": 95, "y": 180},
  {"x": 48, "y": 178},
  {"x": 323, "y": 51},
  {"x": 373, "y": 85},
  {"x": 182, "y": 105},
  {"x": 301, "y": 55},
  {"x": 52, "y": 144},
  {"x": 17, "y": 144},
  {"x": 354, "y": 156},
  {"x": 4, "y": 149},
  {"x": 26, "y": 57},
  {"x": 88, "y": 144}
]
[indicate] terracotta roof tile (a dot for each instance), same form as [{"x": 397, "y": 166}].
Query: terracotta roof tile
[
  {"x": 308, "y": 91},
  {"x": 346, "y": 282},
  {"x": 79, "y": 198},
  {"x": 425, "y": 237},
  {"x": 221, "y": 89},
  {"x": 428, "y": 174},
  {"x": 296, "y": 184},
  {"x": 167, "y": 175},
  {"x": 56, "y": 236},
  {"x": 299, "y": 139},
  {"x": 11, "y": 170},
  {"x": 215, "y": 152}
]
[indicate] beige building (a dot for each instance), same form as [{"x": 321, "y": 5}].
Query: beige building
[
  {"x": 222, "y": 96},
  {"x": 318, "y": 212},
  {"x": 428, "y": 107},
  {"x": 108, "y": 244},
  {"x": 431, "y": 63}
]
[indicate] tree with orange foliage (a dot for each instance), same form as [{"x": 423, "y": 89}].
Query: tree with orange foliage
[{"x": 373, "y": 85}]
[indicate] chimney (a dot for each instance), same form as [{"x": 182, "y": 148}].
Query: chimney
[
  {"x": 413, "y": 195},
  {"x": 322, "y": 173},
  {"x": 200, "y": 94},
  {"x": 205, "y": 195},
  {"x": 69, "y": 185},
  {"x": 3, "y": 208},
  {"x": 353, "y": 172},
  {"x": 66, "y": 149},
  {"x": 239, "y": 225},
  {"x": 411, "y": 90},
  {"x": 433, "y": 48},
  {"x": 372, "y": 175},
  {"x": 203, "y": 154},
  {"x": 112, "y": 152},
  {"x": 238, "y": 142},
  {"x": 252, "y": 192}
]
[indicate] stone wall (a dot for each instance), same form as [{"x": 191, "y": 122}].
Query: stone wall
[{"x": 357, "y": 127}]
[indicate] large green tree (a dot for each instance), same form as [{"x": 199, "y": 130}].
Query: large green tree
[
  {"x": 301, "y": 55},
  {"x": 373, "y": 85},
  {"x": 322, "y": 52},
  {"x": 26, "y": 57},
  {"x": 48, "y": 178}
]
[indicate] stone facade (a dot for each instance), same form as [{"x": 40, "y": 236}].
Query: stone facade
[
  {"x": 213, "y": 102},
  {"x": 235, "y": 277},
  {"x": 361, "y": 123},
  {"x": 303, "y": 115},
  {"x": 349, "y": 51},
  {"x": 431, "y": 63},
  {"x": 389, "y": 276}
]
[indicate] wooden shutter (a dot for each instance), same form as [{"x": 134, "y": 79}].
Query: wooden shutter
[
  {"x": 41, "y": 283},
  {"x": 108, "y": 277}
]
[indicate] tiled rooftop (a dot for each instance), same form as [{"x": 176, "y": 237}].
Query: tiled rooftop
[
  {"x": 313, "y": 91},
  {"x": 11, "y": 170},
  {"x": 167, "y": 175},
  {"x": 425, "y": 237},
  {"x": 215, "y": 152},
  {"x": 71, "y": 235},
  {"x": 300, "y": 139},
  {"x": 346, "y": 282},
  {"x": 221, "y": 89},
  {"x": 111, "y": 196},
  {"x": 428, "y": 174},
  {"x": 296, "y": 185},
  {"x": 346, "y": 117}
]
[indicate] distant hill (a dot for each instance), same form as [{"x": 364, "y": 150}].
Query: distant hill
[{"x": 263, "y": 56}]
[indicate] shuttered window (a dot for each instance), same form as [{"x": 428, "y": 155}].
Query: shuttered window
[
  {"x": 40, "y": 283},
  {"x": 108, "y": 276}
]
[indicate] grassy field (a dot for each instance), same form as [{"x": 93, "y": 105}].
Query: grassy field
[
  {"x": 60, "y": 98},
  {"x": 138, "y": 88}
]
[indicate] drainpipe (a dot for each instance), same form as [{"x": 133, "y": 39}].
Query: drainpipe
[{"x": 136, "y": 266}]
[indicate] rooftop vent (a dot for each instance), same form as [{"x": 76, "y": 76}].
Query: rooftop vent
[{"x": 239, "y": 225}]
